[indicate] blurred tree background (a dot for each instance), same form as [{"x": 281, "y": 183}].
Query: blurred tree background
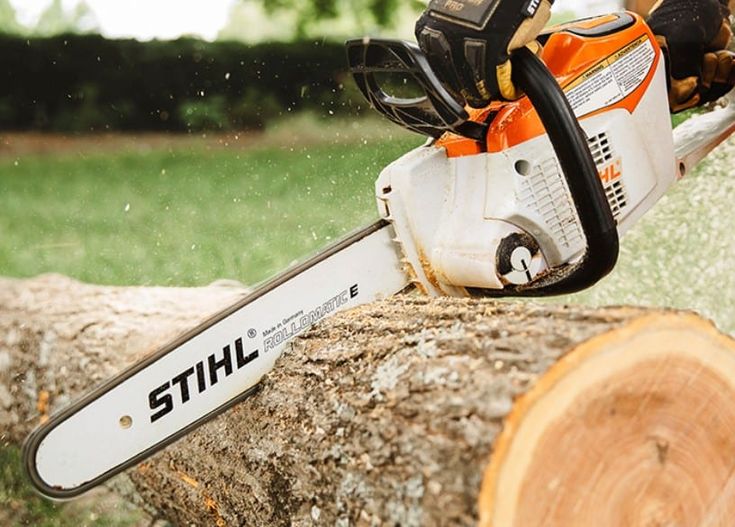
[
  {"x": 299, "y": 19},
  {"x": 272, "y": 58},
  {"x": 54, "y": 20},
  {"x": 88, "y": 83}
]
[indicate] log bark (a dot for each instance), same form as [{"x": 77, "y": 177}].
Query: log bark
[{"x": 411, "y": 411}]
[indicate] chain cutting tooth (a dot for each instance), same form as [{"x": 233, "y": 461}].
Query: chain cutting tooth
[{"x": 405, "y": 262}]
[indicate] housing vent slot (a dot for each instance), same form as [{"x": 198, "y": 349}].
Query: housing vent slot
[{"x": 603, "y": 154}]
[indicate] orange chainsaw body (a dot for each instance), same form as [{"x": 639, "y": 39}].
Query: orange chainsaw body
[
  {"x": 571, "y": 57},
  {"x": 494, "y": 212}
]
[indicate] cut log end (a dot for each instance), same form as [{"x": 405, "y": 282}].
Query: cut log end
[{"x": 635, "y": 427}]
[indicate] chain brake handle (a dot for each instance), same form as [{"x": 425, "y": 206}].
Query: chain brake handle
[{"x": 433, "y": 113}]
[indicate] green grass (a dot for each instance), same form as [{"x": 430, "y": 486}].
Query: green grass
[
  {"x": 19, "y": 505},
  {"x": 16, "y": 496},
  {"x": 184, "y": 217}
]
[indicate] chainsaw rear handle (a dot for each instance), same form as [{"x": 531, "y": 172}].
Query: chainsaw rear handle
[{"x": 436, "y": 113}]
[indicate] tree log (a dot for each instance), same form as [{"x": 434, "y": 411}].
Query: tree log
[{"x": 411, "y": 411}]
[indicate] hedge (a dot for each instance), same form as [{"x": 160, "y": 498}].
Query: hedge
[{"x": 89, "y": 83}]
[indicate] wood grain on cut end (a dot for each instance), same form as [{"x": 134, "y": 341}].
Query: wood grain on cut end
[{"x": 634, "y": 428}]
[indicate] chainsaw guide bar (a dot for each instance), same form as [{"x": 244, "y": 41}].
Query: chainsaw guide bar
[{"x": 207, "y": 370}]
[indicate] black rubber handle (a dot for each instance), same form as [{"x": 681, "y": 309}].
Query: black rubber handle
[{"x": 572, "y": 149}]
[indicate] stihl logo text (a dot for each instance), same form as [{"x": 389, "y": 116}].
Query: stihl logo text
[
  {"x": 531, "y": 7},
  {"x": 611, "y": 173},
  {"x": 199, "y": 378}
]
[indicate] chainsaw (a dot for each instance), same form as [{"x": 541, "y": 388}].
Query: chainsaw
[{"x": 523, "y": 198}]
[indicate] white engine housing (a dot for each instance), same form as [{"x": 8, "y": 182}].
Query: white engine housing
[{"x": 451, "y": 214}]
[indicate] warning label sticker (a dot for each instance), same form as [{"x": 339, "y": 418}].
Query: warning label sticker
[{"x": 613, "y": 79}]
